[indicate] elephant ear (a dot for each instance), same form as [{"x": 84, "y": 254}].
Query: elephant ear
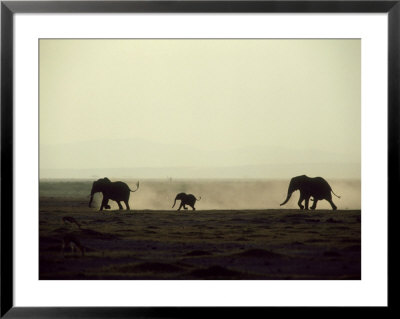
[{"x": 180, "y": 195}]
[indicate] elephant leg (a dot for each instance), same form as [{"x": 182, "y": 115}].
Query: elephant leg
[
  {"x": 307, "y": 199},
  {"x": 332, "y": 204},
  {"x": 104, "y": 203},
  {"x": 127, "y": 205},
  {"x": 119, "y": 205},
  {"x": 193, "y": 207},
  {"x": 180, "y": 206},
  {"x": 300, "y": 201},
  {"x": 314, "y": 205}
]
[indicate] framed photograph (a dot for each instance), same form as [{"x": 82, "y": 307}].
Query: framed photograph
[{"x": 173, "y": 158}]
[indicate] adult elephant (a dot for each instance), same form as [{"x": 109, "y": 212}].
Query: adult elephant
[
  {"x": 315, "y": 187},
  {"x": 117, "y": 191},
  {"x": 186, "y": 199}
]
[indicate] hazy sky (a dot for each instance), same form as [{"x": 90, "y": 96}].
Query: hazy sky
[{"x": 105, "y": 99}]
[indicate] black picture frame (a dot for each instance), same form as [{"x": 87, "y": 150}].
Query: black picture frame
[{"x": 9, "y": 8}]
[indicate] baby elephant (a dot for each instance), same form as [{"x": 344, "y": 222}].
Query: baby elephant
[{"x": 186, "y": 199}]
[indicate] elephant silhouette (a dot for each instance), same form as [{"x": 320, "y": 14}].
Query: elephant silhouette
[
  {"x": 186, "y": 199},
  {"x": 116, "y": 191},
  {"x": 315, "y": 187}
]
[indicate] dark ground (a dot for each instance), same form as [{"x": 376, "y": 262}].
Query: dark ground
[{"x": 205, "y": 244}]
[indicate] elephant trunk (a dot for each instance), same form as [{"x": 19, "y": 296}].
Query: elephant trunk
[
  {"x": 174, "y": 203},
  {"x": 91, "y": 196},
  {"x": 90, "y": 202}
]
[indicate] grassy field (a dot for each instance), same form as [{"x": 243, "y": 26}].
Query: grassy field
[{"x": 266, "y": 244}]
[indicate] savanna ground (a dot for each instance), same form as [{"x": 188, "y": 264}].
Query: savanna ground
[{"x": 203, "y": 244}]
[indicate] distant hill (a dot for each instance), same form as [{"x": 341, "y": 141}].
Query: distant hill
[
  {"x": 137, "y": 158},
  {"x": 277, "y": 171}
]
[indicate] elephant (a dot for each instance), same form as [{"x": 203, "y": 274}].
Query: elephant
[
  {"x": 315, "y": 187},
  {"x": 186, "y": 199},
  {"x": 117, "y": 191}
]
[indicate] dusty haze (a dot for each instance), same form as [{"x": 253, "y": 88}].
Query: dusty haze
[
  {"x": 200, "y": 108},
  {"x": 230, "y": 194}
]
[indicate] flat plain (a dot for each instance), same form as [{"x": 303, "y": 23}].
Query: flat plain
[{"x": 215, "y": 244}]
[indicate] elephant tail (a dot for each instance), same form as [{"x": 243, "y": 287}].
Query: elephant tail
[
  {"x": 287, "y": 198},
  {"x": 335, "y": 194},
  {"x": 137, "y": 187},
  {"x": 198, "y": 198}
]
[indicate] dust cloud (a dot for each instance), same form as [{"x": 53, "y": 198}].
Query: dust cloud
[{"x": 232, "y": 194}]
